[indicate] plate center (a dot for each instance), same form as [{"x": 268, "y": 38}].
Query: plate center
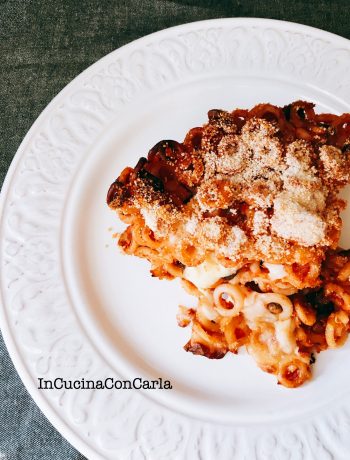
[{"x": 130, "y": 316}]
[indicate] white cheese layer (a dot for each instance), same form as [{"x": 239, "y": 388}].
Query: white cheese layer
[
  {"x": 276, "y": 271},
  {"x": 254, "y": 310},
  {"x": 284, "y": 335},
  {"x": 207, "y": 273}
]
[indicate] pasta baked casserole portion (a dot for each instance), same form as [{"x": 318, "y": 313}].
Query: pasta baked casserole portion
[{"x": 246, "y": 212}]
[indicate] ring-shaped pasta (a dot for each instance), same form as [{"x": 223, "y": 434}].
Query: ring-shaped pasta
[
  {"x": 280, "y": 299},
  {"x": 127, "y": 241},
  {"x": 236, "y": 332},
  {"x": 338, "y": 295},
  {"x": 305, "y": 312},
  {"x": 278, "y": 287},
  {"x": 188, "y": 254},
  {"x": 126, "y": 217},
  {"x": 235, "y": 297},
  {"x": 284, "y": 288},
  {"x": 337, "y": 329},
  {"x": 293, "y": 373},
  {"x": 137, "y": 232},
  {"x": 148, "y": 238},
  {"x": 148, "y": 253}
]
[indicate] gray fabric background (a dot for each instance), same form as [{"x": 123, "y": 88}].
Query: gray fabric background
[{"x": 43, "y": 45}]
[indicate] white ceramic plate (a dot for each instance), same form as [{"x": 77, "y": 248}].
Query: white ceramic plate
[{"x": 73, "y": 307}]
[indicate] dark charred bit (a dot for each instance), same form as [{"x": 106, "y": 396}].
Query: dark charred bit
[
  {"x": 344, "y": 253},
  {"x": 167, "y": 150},
  {"x": 312, "y": 358},
  {"x": 301, "y": 113},
  {"x": 178, "y": 191},
  {"x": 270, "y": 212},
  {"x": 271, "y": 116},
  {"x": 179, "y": 264},
  {"x": 268, "y": 112},
  {"x": 193, "y": 139},
  {"x": 229, "y": 277},
  {"x": 112, "y": 192},
  {"x": 315, "y": 297},
  {"x": 156, "y": 183},
  {"x": 117, "y": 194},
  {"x": 202, "y": 350},
  {"x": 346, "y": 148},
  {"x": 323, "y": 310},
  {"x": 286, "y": 110},
  {"x": 223, "y": 120},
  {"x": 216, "y": 114},
  {"x": 253, "y": 286},
  {"x": 140, "y": 164}
]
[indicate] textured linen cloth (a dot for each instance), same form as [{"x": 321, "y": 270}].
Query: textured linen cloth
[{"x": 44, "y": 44}]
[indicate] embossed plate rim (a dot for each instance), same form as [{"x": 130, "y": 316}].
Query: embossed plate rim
[{"x": 10, "y": 339}]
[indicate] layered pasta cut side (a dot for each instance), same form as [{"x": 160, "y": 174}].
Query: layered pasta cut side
[{"x": 246, "y": 212}]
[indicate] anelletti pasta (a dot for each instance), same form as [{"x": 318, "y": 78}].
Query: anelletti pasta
[{"x": 246, "y": 212}]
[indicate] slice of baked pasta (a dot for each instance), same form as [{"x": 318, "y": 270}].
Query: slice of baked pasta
[
  {"x": 282, "y": 331},
  {"x": 247, "y": 203}
]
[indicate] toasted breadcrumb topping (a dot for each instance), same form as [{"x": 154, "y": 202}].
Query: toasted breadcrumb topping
[{"x": 243, "y": 189}]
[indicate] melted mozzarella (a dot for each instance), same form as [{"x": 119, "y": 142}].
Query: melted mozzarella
[
  {"x": 207, "y": 273},
  {"x": 276, "y": 271},
  {"x": 284, "y": 335},
  {"x": 268, "y": 337},
  {"x": 254, "y": 309}
]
